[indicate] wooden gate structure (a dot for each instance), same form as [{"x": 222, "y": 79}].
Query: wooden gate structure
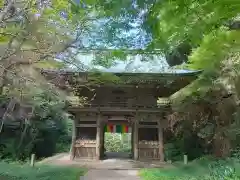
[{"x": 132, "y": 100}]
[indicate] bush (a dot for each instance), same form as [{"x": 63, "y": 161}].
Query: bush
[
  {"x": 202, "y": 169},
  {"x": 63, "y": 143},
  {"x": 25, "y": 172},
  {"x": 113, "y": 142},
  {"x": 172, "y": 152},
  {"x": 47, "y": 132}
]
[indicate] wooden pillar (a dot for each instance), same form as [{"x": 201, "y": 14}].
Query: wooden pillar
[
  {"x": 74, "y": 136},
  {"x": 98, "y": 137},
  {"x": 135, "y": 138},
  {"x": 102, "y": 140},
  {"x": 132, "y": 142},
  {"x": 160, "y": 139}
]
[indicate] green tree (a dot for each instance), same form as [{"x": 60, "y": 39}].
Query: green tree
[{"x": 210, "y": 28}]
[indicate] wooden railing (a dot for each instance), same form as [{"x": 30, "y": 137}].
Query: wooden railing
[
  {"x": 85, "y": 149},
  {"x": 121, "y": 105},
  {"x": 149, "y": 150}
]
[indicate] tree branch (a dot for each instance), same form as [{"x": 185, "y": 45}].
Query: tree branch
[
  {"x": 6, "y": 10},
  {"x": 10, "y": 108}
]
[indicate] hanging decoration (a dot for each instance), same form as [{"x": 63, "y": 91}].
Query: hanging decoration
[{"x": 120, "y": 128}]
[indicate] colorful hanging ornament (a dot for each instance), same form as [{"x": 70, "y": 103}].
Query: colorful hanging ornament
[{"x": 117, "y": 128}]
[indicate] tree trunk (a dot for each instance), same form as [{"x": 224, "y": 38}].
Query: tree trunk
[
  {"x": 222, "y": 146},
  {"x": 10, "y": 108}
]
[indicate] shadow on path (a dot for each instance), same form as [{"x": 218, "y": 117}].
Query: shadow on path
[{"x": 103, "y": 174}]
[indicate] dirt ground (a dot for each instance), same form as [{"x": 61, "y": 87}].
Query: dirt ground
[
  {"x": 116, "y": 166},
  {"x": 114, "y": 161}
]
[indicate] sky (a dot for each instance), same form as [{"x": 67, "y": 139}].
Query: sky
[
  {"x": 130, "y": 65},
  {"x": 157, "y": 65},
  {"x": 135, "y": 36}
]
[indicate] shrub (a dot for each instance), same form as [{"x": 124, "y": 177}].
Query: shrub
[
  {"x": 114, "y": 143},
  {"x": 25, "y": 172},
  {"x": 201, "y": 169},
  {"x": 172, "y": 152},
  {"x": 48, "y": 127}
]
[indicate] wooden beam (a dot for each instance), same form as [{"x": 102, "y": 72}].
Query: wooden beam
[
  {"x": 90, "y": 118},
  {"x": 117, "y": 109},
  {"x": 148, "y": 126},
  {"x": 160, "y": 139},
  {"x": 98, "y": 138},
  {"x": 135, "y": 137},
  {"x": 86, "y": 125},
  {"x": 74, "y": 135},
  {"x": 85, "y": 145}
]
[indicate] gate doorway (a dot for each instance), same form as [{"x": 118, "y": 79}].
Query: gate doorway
[{"x": 117, "y": 141}]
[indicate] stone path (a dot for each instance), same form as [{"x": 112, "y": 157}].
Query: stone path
[
  {"x": 103, "y": 174},
  {"x": 119, "y": 163},
  {"x": 118, "y": 168}
]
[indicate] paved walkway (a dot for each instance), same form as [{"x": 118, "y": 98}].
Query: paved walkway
[
  {"x": 103, "y": 174},
  {"x": 117, "y": 166},
  {"x": 115, "y": 161}
]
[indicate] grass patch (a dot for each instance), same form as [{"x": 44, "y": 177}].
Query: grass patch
[
  {"x": 197, "y": 170},
  {"x": 41, "y": 172}
]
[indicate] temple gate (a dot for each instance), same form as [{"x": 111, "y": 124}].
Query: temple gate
[{"x": 132, "y": 102}]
